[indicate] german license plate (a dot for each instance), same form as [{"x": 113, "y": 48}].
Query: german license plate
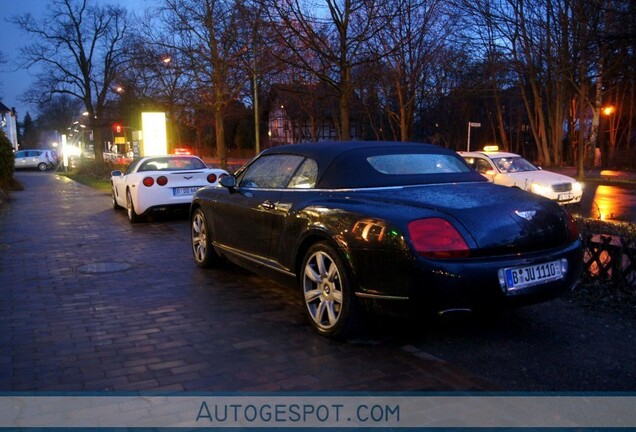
[
  {"x": 522, "y": 277},
  {"x": 181, "y": 191},
  {"x": 565, "y": 196}
]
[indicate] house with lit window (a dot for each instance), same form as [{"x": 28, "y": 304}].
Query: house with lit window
[{"x": 305, "y": 113}]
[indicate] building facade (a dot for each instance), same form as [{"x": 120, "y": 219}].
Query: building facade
[{"x": 9, "y": 124}]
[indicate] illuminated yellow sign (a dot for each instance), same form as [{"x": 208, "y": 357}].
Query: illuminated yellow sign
[{"x": 155, "y": 141}]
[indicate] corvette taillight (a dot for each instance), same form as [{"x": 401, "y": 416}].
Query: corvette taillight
[
  {"x": 162, "y": 180},
  {"x": 437, "y": 238},
  {"x": 211, "y": 178},
  {"x": 148, "y": 181}
]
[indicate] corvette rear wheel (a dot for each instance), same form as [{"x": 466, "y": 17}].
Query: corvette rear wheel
[
  {"x": 327, "y": 289},
  {"x": 201, "y": 237},
  {"x": 133, "y": 217},
  {"x": 112, "y": 196}
]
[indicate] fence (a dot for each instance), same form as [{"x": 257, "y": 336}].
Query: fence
[{"x": 610, "y": 258}]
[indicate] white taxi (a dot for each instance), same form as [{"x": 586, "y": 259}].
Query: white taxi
[
  {"x": 510, "y": 169},
  {"x": 160, "y": 183}
]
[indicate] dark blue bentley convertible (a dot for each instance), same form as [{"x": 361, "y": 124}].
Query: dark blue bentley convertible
[{"x": 358, "y": 224}]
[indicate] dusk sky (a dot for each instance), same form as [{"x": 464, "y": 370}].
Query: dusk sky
[{"x": 13, "y": 80}]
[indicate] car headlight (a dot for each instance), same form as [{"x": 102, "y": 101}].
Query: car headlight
[
  {"x": 540, "y": 189},
  {"x": 577, "y": 187}
]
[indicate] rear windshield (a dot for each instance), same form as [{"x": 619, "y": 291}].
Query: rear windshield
[
  {"x": 408, "y": 164},
  {"x": 171, "y": 164},
  {"x": 396, "y": 166}
]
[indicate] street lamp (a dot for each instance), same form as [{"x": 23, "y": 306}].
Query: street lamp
[{"x": 609, "y": 110}]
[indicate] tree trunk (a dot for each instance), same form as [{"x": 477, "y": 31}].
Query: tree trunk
[
  {"x": 345, "y": 97},
  {"x": 98, "y": 139},
  {"x": 500, "y": 119},
  {"x": 580, "y": 162},
  {"x": 596, "y": 112},
  {"x": 221, "y": 150}
]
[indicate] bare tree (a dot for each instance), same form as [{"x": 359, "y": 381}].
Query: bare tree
[
  {"x": 156, "y": 76},
  {"x": 79, "y": 46},
  {"x": 58, "y": 113},
  {"x": 614, "y": 98},
  {"x": 414, "y": 37},
  {"x": 559, "y": 53},
  {"x": 329, "y": 42},
  {"x": 212, "y": 40}
]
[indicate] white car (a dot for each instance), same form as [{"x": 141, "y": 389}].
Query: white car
[
  {"x": 159, "y": 183},
  {"x": 512, "y": 170}
]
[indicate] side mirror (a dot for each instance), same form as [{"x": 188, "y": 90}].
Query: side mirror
[
  {"x": 115, "y": 173},
  {"x": 490, "y": 172},
  {"x": 228, "y": 181}
]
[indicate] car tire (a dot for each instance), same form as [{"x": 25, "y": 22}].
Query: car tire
[
  {"x": 42, "y": 166},
  {"x": 327, "y": 288},
  {"x": 112, "y": 195},
  {"x": 133, "y": 217},
  {"x": 201, "y": 238}
]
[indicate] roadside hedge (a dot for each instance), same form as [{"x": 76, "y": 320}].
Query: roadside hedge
[{"x": 7, "y": 168}]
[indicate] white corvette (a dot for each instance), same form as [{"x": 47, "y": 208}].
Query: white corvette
[
  {"x": 512, "y": 170},
  {"x": 159, "y": 183}
]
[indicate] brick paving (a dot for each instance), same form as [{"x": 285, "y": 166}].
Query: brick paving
[{"x": 89, "y": 302}]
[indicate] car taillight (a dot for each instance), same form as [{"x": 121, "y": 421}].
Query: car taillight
[
  {"x": 437, "y": 238},
  {"x": 148, "y": 181},
  {"x": 162, "y": 180},
  {"x": 211, "y": 178}
]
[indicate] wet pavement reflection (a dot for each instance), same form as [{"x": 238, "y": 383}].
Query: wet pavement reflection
[{"x": 609, "y": 203}]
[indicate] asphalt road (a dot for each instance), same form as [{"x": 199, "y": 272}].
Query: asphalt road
[
  {"x": 555, "y": 346},
  {"x": 90, "y": 302}
]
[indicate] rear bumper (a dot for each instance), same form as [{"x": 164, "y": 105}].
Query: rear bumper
[
  {"x": 473, "y": 284},
  {"x": 165, "y": 199},
  {"x": 165, "y": 208},
  {"x": 478, "y": 286}
]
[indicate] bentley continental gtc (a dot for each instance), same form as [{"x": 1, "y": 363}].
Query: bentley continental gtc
[{"x": 359, "y": 225}]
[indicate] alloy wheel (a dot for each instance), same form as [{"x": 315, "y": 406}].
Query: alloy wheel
[{"x": 323, "y": 290}]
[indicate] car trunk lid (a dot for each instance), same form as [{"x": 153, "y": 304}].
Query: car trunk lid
[{"x": 524, "y": 222}]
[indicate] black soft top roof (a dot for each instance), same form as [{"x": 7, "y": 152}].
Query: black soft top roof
[{"x": 343, "y": 164}]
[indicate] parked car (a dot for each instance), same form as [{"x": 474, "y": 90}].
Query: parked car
[
  {"x": 160, "y": 183},
  {"x": 510, "y": 169},
  {"x": 40, "y": 159},
  {"x": 373, "y": 224}
]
